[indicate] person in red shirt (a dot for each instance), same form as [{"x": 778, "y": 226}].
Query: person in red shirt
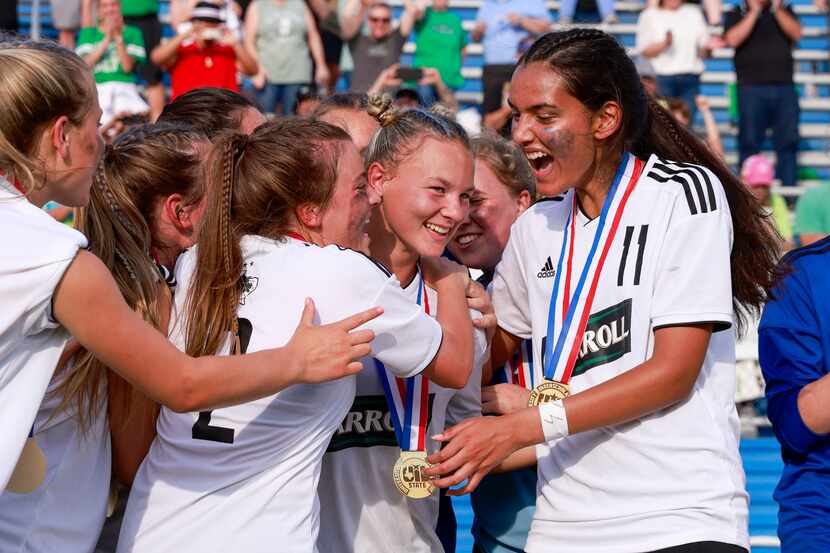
[{"x": 204, "y": 53}]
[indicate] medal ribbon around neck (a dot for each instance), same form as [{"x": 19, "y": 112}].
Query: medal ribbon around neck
[
  {"x": 518, "y": 370},
  {"x": 558, "y": 366},
  {"x": 408, "y": 398}
]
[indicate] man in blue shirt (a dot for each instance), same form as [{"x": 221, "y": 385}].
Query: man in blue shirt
[
  {"x": 503, "y": 24},
  {"x": 794, "y": 348}
]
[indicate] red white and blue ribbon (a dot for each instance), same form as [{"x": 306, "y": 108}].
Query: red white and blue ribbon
[
  {"x": 408, "y": 398},
  {"x": 566, "y": 325},
  {"x": 519, "y": 370}
]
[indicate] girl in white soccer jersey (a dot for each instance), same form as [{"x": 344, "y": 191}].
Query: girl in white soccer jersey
[
  {"x": 421, "y": 165},
  {"x": 649, "y": 251},
  {"x": 143, "y": 201},
  {"x": 284, "y": 203},
  {"x": 49, "y": 149}
]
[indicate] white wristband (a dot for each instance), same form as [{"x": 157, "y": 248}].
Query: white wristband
[{"x": 554, "y": 420}]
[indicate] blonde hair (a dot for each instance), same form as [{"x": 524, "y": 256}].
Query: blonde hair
[
  {"x": 144, "y": 164},
  {"x": 41, "y": 82},
  {"x": 257, "y": 182},
  {"x": 401, "y": 130}
]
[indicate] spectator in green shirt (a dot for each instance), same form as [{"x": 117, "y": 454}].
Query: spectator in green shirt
[
  {"x": 439, "y": 44},
  {"x": 812, "y": 214},
  {"x": 112, "y": 49}
]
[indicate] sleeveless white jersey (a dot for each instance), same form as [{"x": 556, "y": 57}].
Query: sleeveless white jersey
[
  {"x": 244, "y": 478},
  {"x": 35, "y": 251},
  {"x": 67, "y": 511},
  {"x": 361, "y": 510},
  {"x": 673, "y": 477}
]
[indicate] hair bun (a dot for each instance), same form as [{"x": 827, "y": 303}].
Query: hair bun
[
  {"x": 380, "y": 107},
  {"x": 442, "y": 111}
]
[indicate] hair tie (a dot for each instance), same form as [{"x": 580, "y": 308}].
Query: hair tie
[{"x": 380, "y": 107}]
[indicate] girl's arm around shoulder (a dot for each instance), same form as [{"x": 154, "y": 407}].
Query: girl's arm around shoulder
[{"x": 89, "y": 304}]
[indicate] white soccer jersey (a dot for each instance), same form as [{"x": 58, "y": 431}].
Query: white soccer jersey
[
  {"x": 244, "y": 478},
  {"x": 68, "y": 509},
  {"x": 361, "y": 510},
  {"x": 35, "y": 251},
  {"x": 672, "y": 477}
]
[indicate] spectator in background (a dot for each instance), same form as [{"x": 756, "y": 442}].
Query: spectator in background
[
  {"x": 66, "y": 18},
  {"x": 381, "y": 48},
  {"x": 113, "y": 49},
  {"x": 501, "y": 25},
  {"x": 763, "y": 34},
  {"x": 712, "y": 8},
  {"x": 439, "y": 44},
  {"x": 605, "y": 8},
  {"x": 284, "y": 37},
  {"x": 142, "y": 14},
  {"x": 307, "y": 101},
  {"x": 812, "y": 214},
  {"x": 181, "y": 11},
  {"x": 757, "y": 174},
  {"x": 206, "y": 54},
  {"x": 8, "y": 16},
  {"x": 389, "y": 82},
  {"x": 680, "y": 110},
  {"x": 674, "y": 37},
  {"x": 794, "y": 351}
]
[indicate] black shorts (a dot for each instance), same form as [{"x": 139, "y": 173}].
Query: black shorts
[
  {"x": 492, "y": 80},
  {"x": 332, "y": 46},
  {"x": 150, "y": 27},
  {"x": 703, "y": 547}
]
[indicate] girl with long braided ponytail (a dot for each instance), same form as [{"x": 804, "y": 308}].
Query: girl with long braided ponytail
[
  {"x": 631, "y": 277},
  {"x": 288, "y": 208}
]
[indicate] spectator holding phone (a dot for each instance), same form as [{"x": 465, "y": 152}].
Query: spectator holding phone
[
  {"x": 392, "y": 79},
  {"x": 206, "y": 54},
  {"x": 501, "y": 25},
  {"x": 440, "y": 42},
  {"x": 382, "y": 46},
  {"x": 112, "y": 50}
]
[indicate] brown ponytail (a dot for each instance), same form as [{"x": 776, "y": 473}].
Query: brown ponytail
[{"x": 256, "y": 183}]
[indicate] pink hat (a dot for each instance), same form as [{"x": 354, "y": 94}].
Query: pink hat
[{"x": 757, "y": 171}]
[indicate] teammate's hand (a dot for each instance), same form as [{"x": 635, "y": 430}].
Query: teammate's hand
[
  {"x": 437, "y": 269},
  {"x": 479, "y": 299},
  {"x": 330, "y": 351},
  {"x": 502, "y": 399},
  {"x": 471, "y": 449}
]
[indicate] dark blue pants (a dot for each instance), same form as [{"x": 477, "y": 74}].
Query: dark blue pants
[
  {"x": 274, "y": 94},
  {"x": 765, "y": 106},
  {"x": 685, "y": 86}
]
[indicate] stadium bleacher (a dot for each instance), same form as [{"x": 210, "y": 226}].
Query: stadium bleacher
[{"x": 761, "y": 456}]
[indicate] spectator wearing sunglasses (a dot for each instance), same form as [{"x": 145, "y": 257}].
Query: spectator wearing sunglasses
[{"x": 382, "y": 44}]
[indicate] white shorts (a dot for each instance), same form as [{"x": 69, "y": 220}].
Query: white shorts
[{"x": 118, "y": 98}]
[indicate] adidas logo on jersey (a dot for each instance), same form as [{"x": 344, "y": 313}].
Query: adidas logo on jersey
[{"x": 547, "y": 270}]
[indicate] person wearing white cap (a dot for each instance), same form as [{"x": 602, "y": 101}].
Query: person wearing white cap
[{"x": 205, "y": 54}]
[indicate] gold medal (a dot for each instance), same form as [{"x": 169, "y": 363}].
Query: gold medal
[
  {"x": 409, "y": 476},
  {"x": 547, "y": 391},
  {"x": 30, "y": 470}
]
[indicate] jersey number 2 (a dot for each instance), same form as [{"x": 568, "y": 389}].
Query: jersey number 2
[{"x": 202, "y": 429}]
